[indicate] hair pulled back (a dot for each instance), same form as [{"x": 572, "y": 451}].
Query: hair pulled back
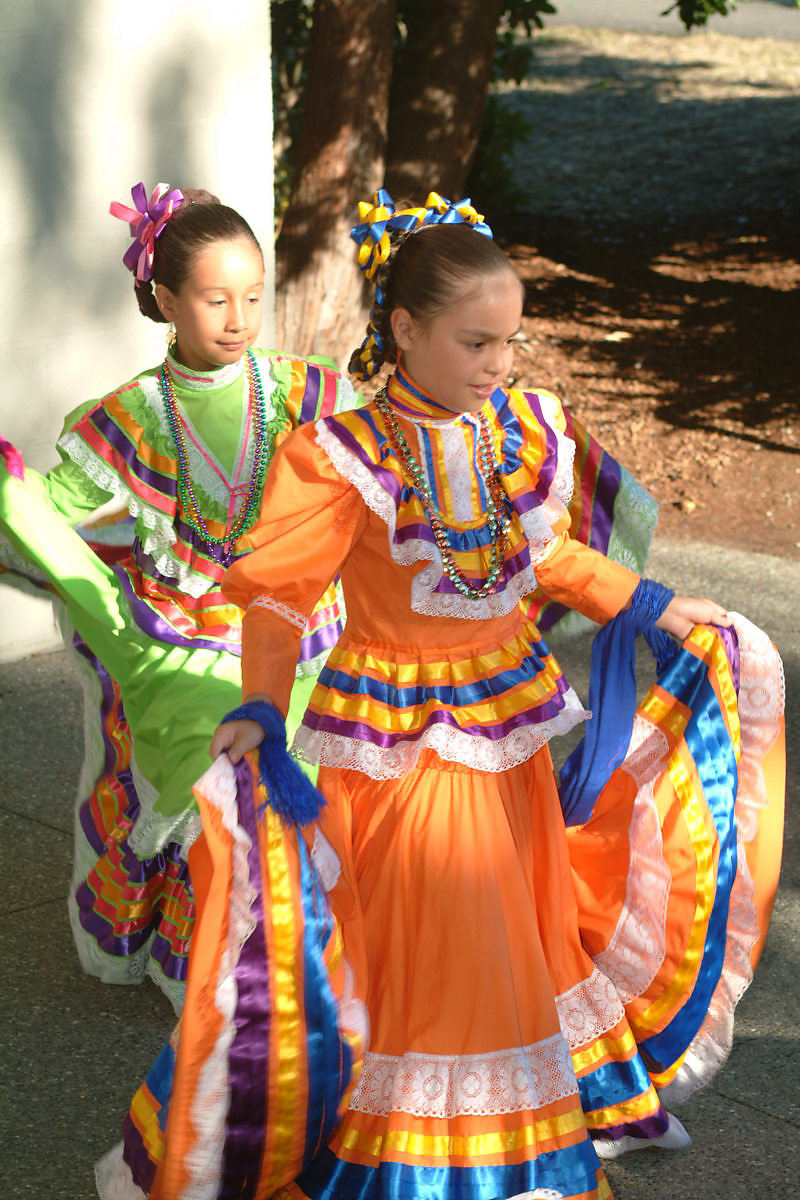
[
  {"x": 426, "y": 272},
  {"x": 200, "y": 221}
]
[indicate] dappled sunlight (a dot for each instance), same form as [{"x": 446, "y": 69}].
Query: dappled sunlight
[{"x": 624, "y": 127}]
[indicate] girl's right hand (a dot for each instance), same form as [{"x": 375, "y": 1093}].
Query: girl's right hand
[{"x": 237, "y": 737}]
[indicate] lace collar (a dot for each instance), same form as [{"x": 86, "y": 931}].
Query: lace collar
[{"x": 203, "y": 381}]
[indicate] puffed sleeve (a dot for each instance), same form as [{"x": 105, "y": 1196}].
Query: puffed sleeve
[
  {"x": 566, "y": 569},
  {"x": 305, "y": 390},
  {"x": 584, "y": 579},
  {"x": 310, "y": 520}
]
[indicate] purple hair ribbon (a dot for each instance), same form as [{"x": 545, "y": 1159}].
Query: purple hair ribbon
[{"x": 146, "y": 222}]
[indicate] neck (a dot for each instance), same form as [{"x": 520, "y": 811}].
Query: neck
[
  {"x": 413, "y": 401},
  {"x": 194, "y": 380}
]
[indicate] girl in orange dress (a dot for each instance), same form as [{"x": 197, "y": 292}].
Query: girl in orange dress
[{"x": 496, "y": 1014}]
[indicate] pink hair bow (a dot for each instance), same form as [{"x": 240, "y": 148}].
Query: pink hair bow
[
  {"x": 13, "y": 459},
  {"x": 146, "y": 222}
]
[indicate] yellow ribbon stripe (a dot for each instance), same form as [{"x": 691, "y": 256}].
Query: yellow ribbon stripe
[
  {"x": 692, "y": 811},
  {"x": 401, "y": 1142},
  {"x": 631, "y": 1110},
  {"x": 287, "y": 1020}
]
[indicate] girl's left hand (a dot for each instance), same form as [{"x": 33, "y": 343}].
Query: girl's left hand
[{"x": 684, "y": 612}]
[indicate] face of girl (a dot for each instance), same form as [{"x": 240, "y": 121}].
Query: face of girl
[
  {"x": 461, "y": 355},
  {"x": 217, "y": 311}
]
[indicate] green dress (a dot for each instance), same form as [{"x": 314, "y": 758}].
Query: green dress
[{"x": 158, "y": 645}]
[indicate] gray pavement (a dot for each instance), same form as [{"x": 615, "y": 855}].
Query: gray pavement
[
  {"x": 751, "y": 18},
  {"x": 75, "y": 1049}
]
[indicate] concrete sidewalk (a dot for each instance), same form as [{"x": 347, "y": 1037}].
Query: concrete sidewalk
[{"x": 75, "y": 1049}]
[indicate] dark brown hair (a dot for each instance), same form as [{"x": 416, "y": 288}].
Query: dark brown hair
[
  {"x": 427, "y": 272},
  {"x": 200, "y": 221}
]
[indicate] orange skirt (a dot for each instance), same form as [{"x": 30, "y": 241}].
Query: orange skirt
[
  {"x": 455, "y": 900},
  {"x": 440, "y": 991}
]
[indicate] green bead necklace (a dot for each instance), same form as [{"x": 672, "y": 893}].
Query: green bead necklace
[{"x": 248, "y": 513}]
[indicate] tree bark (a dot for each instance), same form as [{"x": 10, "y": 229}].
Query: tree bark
[
  {"x": 340, "y": 160},
  {"x": 438, "y": 95}
]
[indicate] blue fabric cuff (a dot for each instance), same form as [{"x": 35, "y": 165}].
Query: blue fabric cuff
[{"x": 289, "y": 792}]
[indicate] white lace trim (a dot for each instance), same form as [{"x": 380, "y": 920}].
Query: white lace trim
[
  {"x": 637, "y": 946},
  {"x": 206, "y": 381},
  {"x": 762, "y": 696},
  {"x": 153, "y": 830},
  {"x": 210, "y": 1105},
  {"x": 153, "y": 528},
  {"x": 589, "y": 1009},
  {"x": 452, "y": 745},
  {"x": 311, "y": 666},
  {"x": 113, "y": 1178},
  {"x": 539, "y": 1194},
  {"x": 109, "y": 968},
  {"x": 537, "y": 525},
  {"x": 446, "y": 1086},
  {"x": 291, "y": 615},
  {"x": 351, "y": 1011},
  {"x": 326, "y": 860},
  {"x": 458, "y": 457}
]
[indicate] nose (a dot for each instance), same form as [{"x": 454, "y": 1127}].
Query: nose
[
  {"x": 236, "y": 317},
  {"x": 498, "y": 359}
]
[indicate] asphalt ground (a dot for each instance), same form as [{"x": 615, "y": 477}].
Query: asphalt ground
[
  {"x": 751, "y": 18},
  {"x": 74, "y": 1049}
]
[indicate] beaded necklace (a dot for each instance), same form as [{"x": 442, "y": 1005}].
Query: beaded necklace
[
  {"x": 249, "y": 510},
  {"x": 498, "y": 519}
]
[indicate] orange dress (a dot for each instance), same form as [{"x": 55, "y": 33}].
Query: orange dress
[{"x": 486, "y": 1043}]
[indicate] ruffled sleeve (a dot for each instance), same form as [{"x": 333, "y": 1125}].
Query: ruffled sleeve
[
  {"x": 310, "y": 519},
  {"x": 69, "y": 489},
  {"x": 540, "y": 477},
  {"x": 309, "y": 390},
  {"x": 584, "y": 579}
]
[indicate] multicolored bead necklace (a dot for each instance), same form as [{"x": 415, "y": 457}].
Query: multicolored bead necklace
[
  {"x": 248, "y": 512},
  {"x": 498, "y": 519}
]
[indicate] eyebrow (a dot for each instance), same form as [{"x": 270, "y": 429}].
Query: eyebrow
[
  {"x": 221, "y": 287},
  {"x": 482, "y": 333}
]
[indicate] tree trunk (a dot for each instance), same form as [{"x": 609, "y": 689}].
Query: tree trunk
[
  {"x": 340, "y": 160},
  {"x": 438, "y": 96}
]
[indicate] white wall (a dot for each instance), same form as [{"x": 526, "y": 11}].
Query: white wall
[{"x": 96, "y": 95}]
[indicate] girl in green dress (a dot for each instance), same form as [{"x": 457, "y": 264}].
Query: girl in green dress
[{"x": 184, "y": 448}]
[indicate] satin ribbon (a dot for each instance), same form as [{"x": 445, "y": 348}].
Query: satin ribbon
[
  {"x": 379, "y": 219},
  {"x": 612, "y": 698},
  {"x": 146, "y": 221}
]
